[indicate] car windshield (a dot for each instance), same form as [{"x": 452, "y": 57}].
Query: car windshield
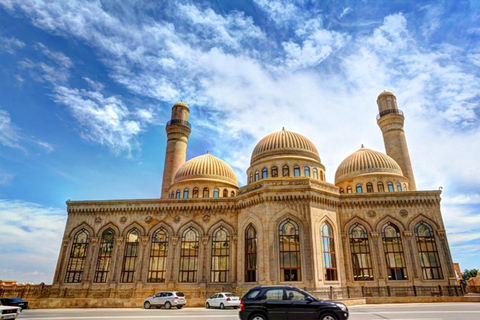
[
  {"x": 230, "y": 295},
  {"x": 16, "y": 300},
  {"x": 251, "y": 295},
  {"x": 180, "y": 294}
]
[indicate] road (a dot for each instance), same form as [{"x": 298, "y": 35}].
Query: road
[{"x": 424, "y": 311}]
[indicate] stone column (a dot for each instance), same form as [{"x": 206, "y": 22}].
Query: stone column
[
  {"x": 233, "y": 254},
  {"x": 409, "y": 236},
  {"x": 62, "y": 262},
  {"x": 378, "y": 258},
  {"x": 142, "y": 262},
  {"x": 446, "y": 253},
  {"x": 92, "y": 253},
  {"x": 173, "y": 262},
  {"x": 117, "y": 259},
  {"x": 348, "y": 267},
  {"x": 205, "y": 254}
]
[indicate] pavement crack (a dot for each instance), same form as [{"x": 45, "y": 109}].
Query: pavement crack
[{"x": 380, "y": 316}]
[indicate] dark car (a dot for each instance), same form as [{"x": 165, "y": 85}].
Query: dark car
[
  {"x": 286, "y": 302},
  {"x": 17, "y": 302}
]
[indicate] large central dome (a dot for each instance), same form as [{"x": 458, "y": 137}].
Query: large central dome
[
  {"x": 284, "y": 143},
  {"x": 206, "y": 167}
]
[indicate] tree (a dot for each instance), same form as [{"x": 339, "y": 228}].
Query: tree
[{"x": 467, "y": 274}]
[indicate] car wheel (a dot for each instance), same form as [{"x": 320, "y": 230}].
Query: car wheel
[
  {"x": 179, "y": 307},
  {"x": 328, "y": 316},
  {"x": 168, "y": 305},
  {"x": 258, "y": 317},
  {"x": 222, "y": 306},
  {"x": 208, "y": 305},
  {"x": 147, "y": 305}
]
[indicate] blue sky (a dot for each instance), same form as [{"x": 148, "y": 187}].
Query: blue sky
[{"x": 87, "y": 86}]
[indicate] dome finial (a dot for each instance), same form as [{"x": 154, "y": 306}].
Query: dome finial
[
  {"x": 362, "y": 146},
  {"x": 208, "y": 152},
  {"x": 283, "y": 128}
]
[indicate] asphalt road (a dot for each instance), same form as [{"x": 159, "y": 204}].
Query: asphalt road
[{"x": 424, "y": 311}]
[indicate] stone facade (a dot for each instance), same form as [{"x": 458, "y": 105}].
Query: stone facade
[{"x": 286, "y": 226}]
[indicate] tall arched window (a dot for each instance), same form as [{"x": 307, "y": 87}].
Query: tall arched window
[
  {"x": 264, "y": 173},
  {"x": 369, "y": 187},
  {"x": 306, "y": 170},
  {"x": 104, "y": 259},
  {"x": 274, "y": 172},
  {"x": 380, "y": 187},
  {"x": 195, "y": 192},
  {"x": 185, "y": 193},
  {"x": 130, "y": 256},
  {"x": 78, "y": 255},
  {"x": 232, "y": 194},
  {"x": 404, "y": 187},
  {"x": 296, "y": 171},
  {"x": 189, "y": 256},
  {"x": 225, "y": 193},
  {"x": 220, "y": 255},
  {"x": 328, "y": 249},
  {"x": 360, "y": 249},
  {"x": 427, "y": 249},
  {"x": 349, "y": 189},
  {"x": 315, "y": 173},
  {"x": 359, "y": 188},
  {"x": 177, "y": 194},
  {"x": 393, "y": 248},
  {"x": 289, "y": 243},
  {"x": 172, "y": 195},
  {"x": 251, "y": 178},
  {"x": 399, "y": 187},
  {"x": 256, "y": 175},
  {"x": 206, "y": 193},
  {"x": 250, "y": 254},
  {"x": 215, "y": 193},
  {"x": 285, "y": 171},
  {"x": 157, "y": 266},
  {"x": 341, "y": 190},
  {"x": 390, "y": 186}
]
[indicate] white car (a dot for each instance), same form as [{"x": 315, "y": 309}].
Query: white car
[
  {"x": 223, "y": 300},
  {"x": 7, "y": 312}
]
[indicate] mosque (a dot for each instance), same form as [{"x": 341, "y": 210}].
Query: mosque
[{"x": 288, "y": 225}]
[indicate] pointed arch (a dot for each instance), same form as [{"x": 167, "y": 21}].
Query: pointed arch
[
  {"x": 380, "y": 223},
  {"x": 360, "y": 252},
  {"x": 132, "y": 225},
  {"x": 221, "y": 223},
  {"x": 419, "y": 217},
  {"x": 188, "y": 224},
  {"x": 78, "y": 256},
  {"x": 157, "y": 264},
  {"x": 220, "y": 255},
  {"x": 427, "y": 250},
  {"x": 81, "y": 226},
  {"x": 189, "y": 247},
  {"x": 353, "y": 220},
  {"x": 104, "y": 258},
  {"x": 250, "y": 253},
  {"x": 328, "y": 251},
  {"x": 109, "y": 225},
  {"x": 132, "y": 239},
  {"x": 289, "y": 250},
  {"x": 393, "y": 250}
]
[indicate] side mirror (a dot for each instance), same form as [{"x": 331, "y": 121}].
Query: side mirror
[{"x": 309, "y": 299}]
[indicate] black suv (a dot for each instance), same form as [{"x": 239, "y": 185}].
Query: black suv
[{"x": 286, "y": 302}]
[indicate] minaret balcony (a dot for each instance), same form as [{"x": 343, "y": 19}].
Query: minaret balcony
[
  {"x": 389, "y": 111},
  {"x": 178, "y": 121}
]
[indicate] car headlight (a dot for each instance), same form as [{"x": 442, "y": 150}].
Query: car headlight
[{"x": 341, "y": 306}]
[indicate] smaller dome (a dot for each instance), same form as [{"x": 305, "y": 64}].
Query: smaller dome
[
  {"x": 385, "y": 94},
  {"x": 181, "y": 104},
  {"x": 206, "y": 167},
  {"x": 366, "y": 161}
]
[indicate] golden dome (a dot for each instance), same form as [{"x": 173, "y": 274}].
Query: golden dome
[
  {"x": 181, "y": 104},
  {"x": 284, "y": 143},
  {"x": 206, "y": 167},
  {"x": 366, "y": 161},
  {"x": 385, "y": 94}
]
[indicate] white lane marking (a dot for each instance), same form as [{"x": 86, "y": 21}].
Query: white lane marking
[{"x": 133, "y": 317}]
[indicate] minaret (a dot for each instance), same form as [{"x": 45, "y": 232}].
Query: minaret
[
  {"x": 390, "y": 120},
  {"x": 178, "y": 129}
]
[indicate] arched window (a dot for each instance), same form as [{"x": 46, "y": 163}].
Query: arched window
[
  {"x": 177, "y": 194},
  {"x": 296, "y": 171},
  {"x": 306, "y": 171},
  {"x": 285, "y": 171},
  {"x": 393, "y": 248},
  {"x": 206, "y": 193},
  {"x": 328, "y": 249},
  {"x": 349, "y": 189},
  {"x": 78, "y": 255},
  {"x": 322, "y": 175},
  {"x": 250, "y": 254},
  {"x": 130, "y": 256},
  {"x": 215, "y": 193},
  {"x": 360, "y": 249},
  {"x": 189, "y": 256},
  {"x": 274, "y": 172},
  {"x": 185, "y": 193},
  {"x": 157, "y": 266},
  {"x": 427, "y": 249},
  {"x": 220, "y": 255},
  {"x": 264, "y": 173},
  {"x": 225, "y": 193},
  {"x": 404, "y": 187},
  {"x": 315, "y": 173},
  {"x": 390, "y": 186},
  {"x": 104, "y": 259},
  {"x": 289, "y": 243},
  {"x": 359, "y": 188},
  {"x": 172, "y": 195},
  {"x": 341, "y": 190},
  {"x": 251, "y": 178},
  {"x": 256, "y": 175},
  {"x": 232, "y": 194},
  {"x": 380, "y": 187},
  {"x": 195, "y": 192},
  {"x": 369, "y": 187},
  {"x": 399, "y": 187}
]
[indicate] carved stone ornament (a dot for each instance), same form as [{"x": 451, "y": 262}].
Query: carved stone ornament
[
  {"x": 205, "y": 239},
  {"x": 441, "y": 233},
  {"x": 403, "y": 213},
  {"x": 123, "y": 220},
  {"x": 148, "y": 219},
  {"x": 375, "y": 235},
  {"x": 235, "y": 239},
  {"x": 174, "y": 240},
  {"x": 206, "y": 218},
  {"x": 408, "y": 234},
  {"x": 176, "y": 219},
  {"x": 372, "y": 214},
  {"x": 98, "y": 220}
]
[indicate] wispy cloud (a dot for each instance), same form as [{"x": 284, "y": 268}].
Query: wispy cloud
[
  {"x": 9, "y": 133},
  {"x": 10, "y": 44}
]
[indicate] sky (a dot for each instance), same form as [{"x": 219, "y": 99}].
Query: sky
[{"x": 86, "y": 88}]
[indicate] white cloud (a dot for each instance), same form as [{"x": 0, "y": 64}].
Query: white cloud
[
  {"x": 10, "y": 44},
  {"x": 9, "y": 133},
  {"x": 31, "y": 237},
  {"x": 58, "y": 57}
]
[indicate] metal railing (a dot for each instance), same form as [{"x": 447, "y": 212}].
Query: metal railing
[
  {"x": 389, "y": 111},
  {"x": 178, "y": 121}
]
